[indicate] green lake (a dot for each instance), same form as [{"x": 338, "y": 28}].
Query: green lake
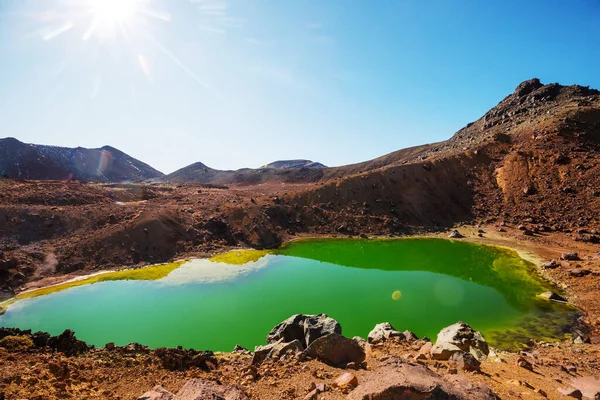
[{"x": 421, "y": 285}]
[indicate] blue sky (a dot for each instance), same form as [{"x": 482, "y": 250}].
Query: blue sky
[{"x": 239, "y": 83}]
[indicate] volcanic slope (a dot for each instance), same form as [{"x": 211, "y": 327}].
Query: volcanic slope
[
  {"x": 20, "y": 160},
  {"x": 533, "y": 158}
]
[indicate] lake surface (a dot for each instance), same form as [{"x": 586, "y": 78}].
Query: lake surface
[{"x": 421, "y": 285}]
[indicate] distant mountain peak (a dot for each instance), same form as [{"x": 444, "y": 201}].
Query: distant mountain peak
[
  {"x": 289, "y": 164},
  {"x": 20, "y": 160}
]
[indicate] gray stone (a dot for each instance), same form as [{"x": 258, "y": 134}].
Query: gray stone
[
  {"x": 305, "y": 328},
  {"x": 456, "y": 337},
  {"x": 336, "y": 350},
  {"x": 455, "y": 235},
  {"x": 240, "y": 349},
  {"x": 382, "y": 332}
]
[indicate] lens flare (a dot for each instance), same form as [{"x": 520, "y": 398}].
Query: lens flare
[
  {"x": 104, "y": 163},
  {"x": 114, "y": 11}
]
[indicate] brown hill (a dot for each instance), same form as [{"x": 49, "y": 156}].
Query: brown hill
[{"x": 533, "y": 157}]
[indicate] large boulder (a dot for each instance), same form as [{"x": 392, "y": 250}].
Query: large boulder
[
  {"x": 336, "y": 350},
  {"x": 305, "y": 328},
  {"x": 383, "y": 332},
  {"x": 401, "y": 380},
  {"x": 202, "y": 389},
  {"x": 459, "y": 337}
]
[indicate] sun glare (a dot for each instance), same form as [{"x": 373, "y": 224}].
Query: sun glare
[{"x": 114, "y": 11}]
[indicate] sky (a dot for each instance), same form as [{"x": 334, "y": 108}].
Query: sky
[{"x": 240, "y": 83}]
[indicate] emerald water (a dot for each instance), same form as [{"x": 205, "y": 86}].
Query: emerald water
[{"x": 421, "y": 285}]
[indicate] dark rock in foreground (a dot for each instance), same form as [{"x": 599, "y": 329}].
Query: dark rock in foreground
[
  {"x": 305, "y": 328},
  {"x": 181, "y": 359},
  {"x": 336, "y": 350},
  {"x": 401, "y": 380}
]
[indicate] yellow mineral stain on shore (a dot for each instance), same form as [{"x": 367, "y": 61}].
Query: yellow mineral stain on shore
[
  {"x": 150, "y": 273},
  {"x": 239, "y": 257}
]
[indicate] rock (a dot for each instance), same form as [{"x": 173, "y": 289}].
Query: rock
[
  {"x": 281, "y": 349},
  {"x": 135, "y": 348},
  {"x": 362, "y": 342},
  {"x": 464, "y": 361},
  {"x": 523, "y": 363},
  {"x": 2, "y": 310},
  {"x": 336, "y": 350},
  {"x": 570, "y": 392},
  {"x": 570, "y": 256},
  {"x": 321, "y": 388},
  {"x": 41, "y": 339},
  {"x": 110, "y": 346},
  {"x": 347, "y": 381},
  {"x": 240, "y": 350},
  {"x": 261, "y": 352},
  {"x": 157, "y": 393},
  {"x": 305, "y": 328},
  {"x": 587, "y": 238},
  {"x": 455, "y": 235},
  {"x": 588, "y": 385},
  {"x": 527, "y": 87},
  {"x": 552, "y": 264},
  {"x": 579, "y": 272},
  {"x": 312, "y": 395},
  {"x": 426, "y": 349},
  {"x": 383, "y": 332},
  {"x": 410, "y": 336},
  {"x": 202, "y": 389},
  {"x": 551, "y": 296},
  {"x": 181, "y": 359},
  {"x": 67, "y": 343},
  {"x": 401, "y": 380},
  {"x": 459, "y": 336}
]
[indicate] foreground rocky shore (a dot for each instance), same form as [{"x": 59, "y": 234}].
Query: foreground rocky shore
[{"x": 306, "y": 357}]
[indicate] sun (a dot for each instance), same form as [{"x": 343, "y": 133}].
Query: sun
[{"x": 114, "y": 11}]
